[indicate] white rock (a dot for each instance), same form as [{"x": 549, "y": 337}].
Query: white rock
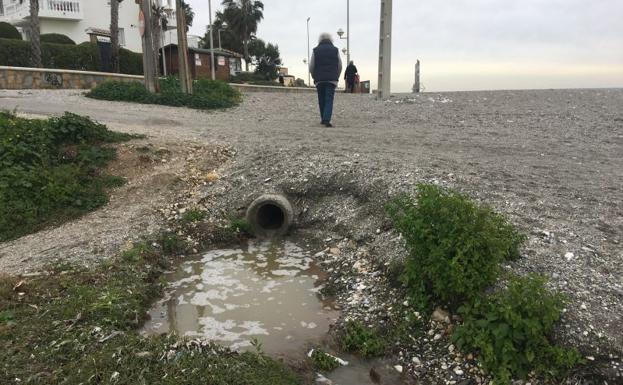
[
  {"x": 416, "y": 361},
  {"x": 583, "y": 306},
  {"x": 569, "y": 256},
  {"x": 398, "y": 368}
]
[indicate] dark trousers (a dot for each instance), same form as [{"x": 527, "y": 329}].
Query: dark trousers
[
  {"x": 350, "y": 85},
  {"x": 326, "y": 94}
]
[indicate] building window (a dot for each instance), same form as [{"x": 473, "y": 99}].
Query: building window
[{"x": 121, "y": 37}]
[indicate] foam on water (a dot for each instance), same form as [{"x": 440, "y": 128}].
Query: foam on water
[{"x": 268, "y": 291}]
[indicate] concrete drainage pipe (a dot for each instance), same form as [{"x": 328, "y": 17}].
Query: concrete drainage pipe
[{"x": 270, "y": 216}]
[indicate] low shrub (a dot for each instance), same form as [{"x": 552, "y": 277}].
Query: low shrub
[
  {"x": 8, "y": 31},
  {"x": 510, "y": 331},
  {"x": 56, "y": 38},
  {"x": 207, "y": 94},
  {"x": 51, "y": 170},
  {"x": 357, "y": 338},
  {"x": 455, "y": 245}
]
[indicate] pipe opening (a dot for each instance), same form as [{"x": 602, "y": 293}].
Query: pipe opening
[{"x": 270, "y": 217}]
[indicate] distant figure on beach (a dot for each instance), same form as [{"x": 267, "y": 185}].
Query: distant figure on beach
[
  {"x": 350, "y": 76},
  {"x": 325, "y": 66}
]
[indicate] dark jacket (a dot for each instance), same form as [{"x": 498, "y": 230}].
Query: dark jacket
[
  {"x": 326, "y": 64},
  {"x": 350, "y": 73}
]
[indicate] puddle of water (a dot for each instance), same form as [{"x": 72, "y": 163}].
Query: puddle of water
[{"x": 268, "y": 291}]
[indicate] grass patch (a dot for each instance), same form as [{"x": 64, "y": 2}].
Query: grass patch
[
  {"x": 78, "y": 326},
  {"x": 455, "y": 245},
  {"x": 193, "y": 215},
  {"x": 510, "y": 330},
  {"x": 207, "y": 94},
  {"x": 51, "y": 170},
  {"x": 240, "y": 226},
  {"x": 323, "y": 361},
  {"x": 359, "y": 339}
]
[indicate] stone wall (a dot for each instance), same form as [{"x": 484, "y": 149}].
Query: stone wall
[
  {"x": 254, "y": 88},
  {"x": 18, "y": 78}
]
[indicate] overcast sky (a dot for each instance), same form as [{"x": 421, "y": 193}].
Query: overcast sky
[{"x": 462, "y": 44}]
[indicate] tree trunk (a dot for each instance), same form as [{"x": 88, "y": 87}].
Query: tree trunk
[
  {"x": 114, "y": 35},
  {"x": 245, "y": 45},
  {"x": 35, "y": 35},
  {"x": 156, "y": 31}
]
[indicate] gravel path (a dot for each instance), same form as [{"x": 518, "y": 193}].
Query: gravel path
[{"x": 550, "y": 160}]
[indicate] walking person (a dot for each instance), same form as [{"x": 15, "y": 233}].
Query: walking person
[
  {"x": 350, "y": 76},
  {"x": 325, "y": 66}
]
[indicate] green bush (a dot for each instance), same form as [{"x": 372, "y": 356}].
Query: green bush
[
  {"x": 207, "y": 94},
  {"x": 82, "y": 57},
  {"x": 356, "y": 338},
  {"x": 8, "y": 31},
  {"x": 50, "y": 171},
  {"x": 56, "y": 38},
  {"x": 455, "y": 245},
  {"x": 510, "y": 331}
]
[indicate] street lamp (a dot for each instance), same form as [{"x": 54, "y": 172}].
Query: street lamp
[
  {"x": 212, "y": 63},
  {"x": 308, "y": 71},
  {"x": 340, "y": 32}
]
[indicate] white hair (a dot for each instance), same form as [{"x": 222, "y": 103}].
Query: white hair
[{"x": 325, "y": 36}]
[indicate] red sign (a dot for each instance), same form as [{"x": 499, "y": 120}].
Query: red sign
[{"x": 141, "y": 23}]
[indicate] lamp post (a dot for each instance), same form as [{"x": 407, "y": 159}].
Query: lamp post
[
  {"x": 211, "y": 41},
  {"x": 308, "y": 72},
  {"x": 340, "y": 32}
]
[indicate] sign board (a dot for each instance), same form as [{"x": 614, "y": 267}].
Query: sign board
[
  {"x": 141, "y": 23},
  {"x": 197, "y": 60},
  {"x": 221, "y": 61}
]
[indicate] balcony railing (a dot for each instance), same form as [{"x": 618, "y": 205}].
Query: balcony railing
[{"x": 48, "y": 9}]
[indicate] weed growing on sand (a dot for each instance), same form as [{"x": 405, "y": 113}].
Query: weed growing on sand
[
  {"x": 511, "y": 331},
  {"x": 357, "y": 338},
  {"x": 52, "y": 170},
  {"x": 455, "y": 245},
  {"x": 323, "y": 361}
]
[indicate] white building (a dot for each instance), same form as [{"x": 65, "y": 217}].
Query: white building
[{"x": 75, "y": 18}]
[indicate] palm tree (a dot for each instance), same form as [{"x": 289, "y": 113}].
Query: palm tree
[
  {"x": 35, "y": 34},
  {"x": 243, "y": 17},
  {"x": 114, "y": 34},
  {"x": 159, "y": 23}
]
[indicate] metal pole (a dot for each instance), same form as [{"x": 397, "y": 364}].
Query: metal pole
[
  {"x": 220, "y": 46},
  {"x": 348, "y": 31},
  {"x": 308, "y": 72},
  {"x": 211, "y": 41},
  {"x": 385, "y": 50}
]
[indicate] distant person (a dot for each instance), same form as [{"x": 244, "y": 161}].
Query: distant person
[
  {"x": 350, "y": 76},
  {"x": 325, "y": 66},
  {"x": 282, "y": 80}
]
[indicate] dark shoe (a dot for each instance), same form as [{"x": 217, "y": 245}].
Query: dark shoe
[{"x": 328, "y": 124}]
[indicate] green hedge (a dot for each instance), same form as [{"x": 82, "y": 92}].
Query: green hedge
[
  {"x": 7, "y": 31},
  {"x": 56, "y": 38},
  {"x": 84, "y": 56}
]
